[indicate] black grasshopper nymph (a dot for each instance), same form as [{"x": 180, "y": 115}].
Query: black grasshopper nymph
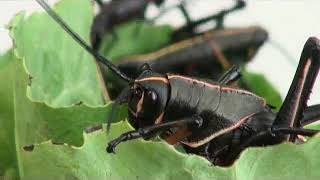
[{"x": 211, "y": 119}]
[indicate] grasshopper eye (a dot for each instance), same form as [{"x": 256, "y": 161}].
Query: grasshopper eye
[
  {"x": 137, "y": 92},
  {"x": 152, "y": 96},
  {"x": 145, "y": 67}
]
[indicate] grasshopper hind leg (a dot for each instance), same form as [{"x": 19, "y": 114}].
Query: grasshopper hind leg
[{"x": 291, "y": 112}]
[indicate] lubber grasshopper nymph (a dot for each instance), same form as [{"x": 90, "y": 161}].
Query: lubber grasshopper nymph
[
  {"x": 212, "y": 119},
  {"x": 204, "y": 56}
]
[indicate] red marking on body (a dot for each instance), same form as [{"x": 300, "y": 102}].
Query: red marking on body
[
  {"x": 177, "y": 136},
  {"x": 189, "y": 68},
  {"x": 219, "y": 133},
  {"x": 299, "y": 90}
]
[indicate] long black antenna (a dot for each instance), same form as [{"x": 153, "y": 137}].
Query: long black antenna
[
  {"x": 99, "y": 2},
  {"x": 77, "y": 38}
]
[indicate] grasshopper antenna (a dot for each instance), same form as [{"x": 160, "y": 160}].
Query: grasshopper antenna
[
  {"x": 283, "y": 51},
  {"x": 99, "y": 2},
  {"x": 77, "y": 38}
]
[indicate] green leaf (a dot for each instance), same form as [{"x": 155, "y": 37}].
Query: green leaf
[
  {"x": 62, "y": 73},
  {"x": 156, "y": 160},
  {"x": 36, "y": 122},
  {"x": 8, "y": 165},
  {"x": 134, "y": 160},
  {"x": 24, "y": 122},
  {"x": 315, "y": 125},
  {"x": 135, "y": 37},
  {"x": 260, "y": 85},
  {"x": 285, "y": 161}
]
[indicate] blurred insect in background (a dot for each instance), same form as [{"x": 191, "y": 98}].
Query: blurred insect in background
[
  {"x": 114, "y": 13},
  {"x": 205, "y": 56},
  {"x": 190, "y": 28},
  {"x": 210, "y": 119},
  {"x": 117, "y": 12}
]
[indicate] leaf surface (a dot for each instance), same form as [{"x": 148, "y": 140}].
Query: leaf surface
[{"x": 62, "y": 73}]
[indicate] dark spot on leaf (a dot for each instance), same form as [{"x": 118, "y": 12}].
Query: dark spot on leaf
[
  {"x": 93, "y": 128},
  {"x": 79, "y": 103},
  {"x": 271, "y": 106},
  {"x": 57, "y": 143},
  {"x": 28, "y": 148},
  {"x": 29, "y": 80}
]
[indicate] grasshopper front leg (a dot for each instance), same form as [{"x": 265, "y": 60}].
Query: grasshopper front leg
[{"x": 151, "y": 130}]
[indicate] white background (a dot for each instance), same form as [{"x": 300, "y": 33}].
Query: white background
[{"x": 289, "y": 22}]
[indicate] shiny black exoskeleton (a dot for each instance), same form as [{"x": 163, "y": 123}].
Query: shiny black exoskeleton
[{"x": 210, "y": 118}]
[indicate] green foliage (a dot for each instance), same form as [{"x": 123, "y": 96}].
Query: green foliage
[
  {"x": 314, "y": 126},
  {"x": 134, "y": 38},
  {"x": 59, "y": 67},
  {"x": 45, "y": 110},
  {"x": 25, "y": 122},
  {"x": 258, "y": 84},
  {"x": 158, "y": 160},
  {"x": 8, "y": 165}
]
